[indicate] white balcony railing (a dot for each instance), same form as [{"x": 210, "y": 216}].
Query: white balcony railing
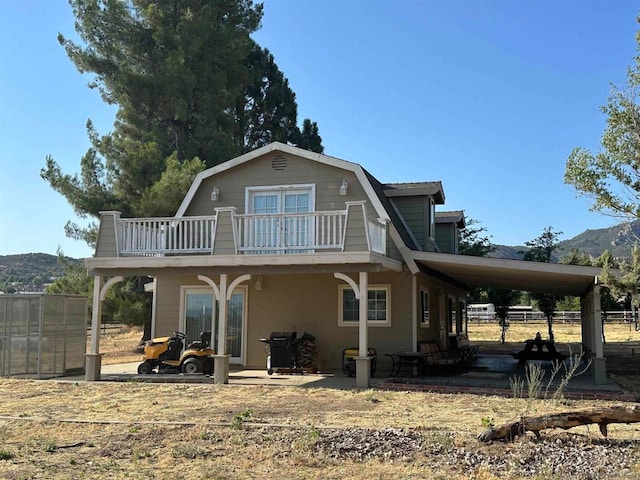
[
  {"x": 158, "y": 236},
  {"x": 290, "y": 232},
  {"x": 253, "y": 233}
]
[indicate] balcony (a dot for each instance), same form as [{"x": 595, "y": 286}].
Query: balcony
[{"x": 228, "y": 233}]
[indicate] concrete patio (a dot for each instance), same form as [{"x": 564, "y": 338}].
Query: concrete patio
[{"x": 490, "y": 374}]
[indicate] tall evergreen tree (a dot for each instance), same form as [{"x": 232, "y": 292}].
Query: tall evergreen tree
[
  {"x": 192, "y": 90},
  {"x": 309, "y": 137}
]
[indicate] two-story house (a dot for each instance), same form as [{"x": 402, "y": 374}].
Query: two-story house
[{"x": 283, "y": 239}]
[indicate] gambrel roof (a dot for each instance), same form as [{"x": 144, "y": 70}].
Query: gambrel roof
[{"x": 377, "y": 192}]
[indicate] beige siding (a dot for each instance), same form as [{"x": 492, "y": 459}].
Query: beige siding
[
  {"x": 168, "y": 302},
  {"x": 303, "y": 303},
  {"x": 310, "y": 304},
  {"x": 356, "y": 235},
  {"x": 415, "y": 212},
  {"x": 224, "y": 241},
  {"x": 437, "y": 304},
  {"x": 260, "y": 172},
  {"x": 106, "y": 245}
]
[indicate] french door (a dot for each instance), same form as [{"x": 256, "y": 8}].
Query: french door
[
  {"x": 281, "y": 233},
  {"x": 198, "y": 314}
]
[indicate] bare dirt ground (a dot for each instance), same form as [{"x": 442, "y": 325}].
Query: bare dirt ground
[
  {"x": 83, "y": 430},
  {"x": 68, "y": 430}
]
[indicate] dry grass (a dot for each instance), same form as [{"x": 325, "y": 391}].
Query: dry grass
[
  {"x": 563, "y": 332},
  {"x": 61, "y": 430},
  {"x": 119, "y": 345},
  {"x": 56, "y": 430}
]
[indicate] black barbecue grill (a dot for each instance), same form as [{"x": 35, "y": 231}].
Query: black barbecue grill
[
  {"x": 287, "y": 352},
  {"x": 282, "y": 351}
]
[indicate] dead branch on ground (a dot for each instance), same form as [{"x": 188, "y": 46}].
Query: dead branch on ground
[{"x": 602, "y": 416}]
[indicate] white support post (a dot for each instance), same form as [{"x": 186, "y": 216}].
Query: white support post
[
  {"x": 363, "y": 361},
  {"x": 362, "y": 324},
  {"x": 93, "y": 359},
  {"x": 96, "y": 315},
  {"x": 222, "y": 324},
  {"x": 221, "y": 360}
]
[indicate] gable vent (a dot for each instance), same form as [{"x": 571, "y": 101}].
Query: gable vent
[{"x": 279, "y": 163}]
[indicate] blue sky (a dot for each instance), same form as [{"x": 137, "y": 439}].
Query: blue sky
[{"x": 489, "y": 97}]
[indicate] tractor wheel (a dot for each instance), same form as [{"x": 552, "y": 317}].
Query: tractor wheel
[
  {"x": 192, "y": 365},
  {"x": 145, "y": 368}
]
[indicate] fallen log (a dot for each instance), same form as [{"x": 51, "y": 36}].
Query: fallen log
[{"x": 602, "y": 416}]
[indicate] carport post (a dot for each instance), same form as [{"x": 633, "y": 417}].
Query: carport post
[{"x": 599, "y": 361}]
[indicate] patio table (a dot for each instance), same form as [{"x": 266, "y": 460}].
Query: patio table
[
  {"x": 408, "y": 360},
  {"x": 538, "y": 349}
]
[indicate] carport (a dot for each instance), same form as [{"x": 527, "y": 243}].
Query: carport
[{"x": 557, "y": 278}]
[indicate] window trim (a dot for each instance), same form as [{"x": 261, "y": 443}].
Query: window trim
[
  {"x": 371, "y": 323},
  {"x": 422, "y": 322},
  {"x": 279, "y": 189}
]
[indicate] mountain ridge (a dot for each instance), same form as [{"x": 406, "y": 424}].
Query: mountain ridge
[{"x": 617, "y": 239}]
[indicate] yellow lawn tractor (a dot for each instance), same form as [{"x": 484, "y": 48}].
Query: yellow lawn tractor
[{"x": 165, "y": 355}]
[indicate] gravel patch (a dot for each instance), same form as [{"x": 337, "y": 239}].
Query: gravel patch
[{"x": 570, "y": 457}]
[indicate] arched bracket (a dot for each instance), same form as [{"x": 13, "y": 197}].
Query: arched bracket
[
  {"x": 108, "y": 285},
  {"x": 212, "y": 284},
  {"x": 236, "y": 282},
  {"x": 350, "y": 281}
]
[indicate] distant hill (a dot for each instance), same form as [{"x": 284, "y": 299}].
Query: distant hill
[
  {"x": 505, "y": 251},
  {"x": 618, "y": 239},
  {"x": 29, "y": 272}
]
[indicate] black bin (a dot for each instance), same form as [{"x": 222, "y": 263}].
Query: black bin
[{"x": 282, "y": 350}]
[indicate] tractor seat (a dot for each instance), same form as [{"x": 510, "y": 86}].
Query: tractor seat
[{"x": 204, "y": 342}]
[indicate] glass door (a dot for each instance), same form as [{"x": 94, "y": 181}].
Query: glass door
[
  {"x": 283, "y": 234},
  {"x": 198, "y": 313},
  {"x": 296, "y": 229}
]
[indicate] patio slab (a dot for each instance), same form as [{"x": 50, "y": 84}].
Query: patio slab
[{"x": 490, "y": 374}]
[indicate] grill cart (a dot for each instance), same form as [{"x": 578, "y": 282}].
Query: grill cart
[
  {"x": 282, "y": 351},
  {"x": 349, "y": 360},
  {"x": 289, "y": 353}
]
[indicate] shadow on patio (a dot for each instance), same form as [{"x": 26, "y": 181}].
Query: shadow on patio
[{"x": 495, "y": 371}]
